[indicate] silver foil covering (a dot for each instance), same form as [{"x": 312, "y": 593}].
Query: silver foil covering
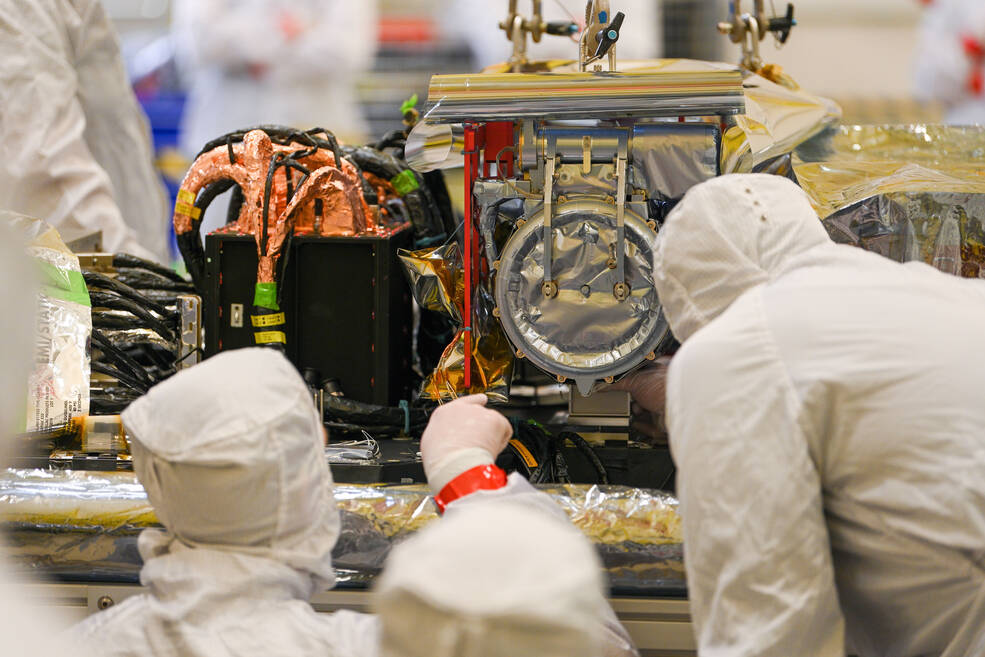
[
  {"x": 943, "y": 229},
  {"x": 584, "y": 333},
  {"x": 84, "y": 526},
  {"x": 698, "y": 91},
  {"x": 673, "y": 158}
]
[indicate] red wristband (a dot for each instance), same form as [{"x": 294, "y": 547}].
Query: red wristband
[{"x": 481, "y": 477}]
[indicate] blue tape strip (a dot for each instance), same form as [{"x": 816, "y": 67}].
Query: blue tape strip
[{"x": 406, "y": 408}]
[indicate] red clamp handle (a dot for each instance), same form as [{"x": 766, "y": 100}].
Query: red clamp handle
[{"x": 481, "y": 477}]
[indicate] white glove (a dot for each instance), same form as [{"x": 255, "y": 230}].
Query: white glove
[
  {"x": 647, "y": 385},
  {"x": 461, "y": 435}
]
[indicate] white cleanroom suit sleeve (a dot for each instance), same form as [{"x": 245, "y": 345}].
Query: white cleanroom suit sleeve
[
  {"x": 46, "y": 168},
  {"x": 759, "y": 571}
]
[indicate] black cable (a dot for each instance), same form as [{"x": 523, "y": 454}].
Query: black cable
[
  {"x": 393, "y": 139},
  {"x": 560, "y": 465},
  {"x": 140, "y": 279},
  {"x": 125, "y": 379},
  {"x": 586, "y": 449},
  {"x": 190, "y": 243},
  {"x": 128, "y": 260},
  {"x": 95, "y": 280},
  {"x": 112, "y": 301},
  {"x": 166, "y": 298},
  {"x": 120, "y": 359},
  {"x": 424, "y": 215}
]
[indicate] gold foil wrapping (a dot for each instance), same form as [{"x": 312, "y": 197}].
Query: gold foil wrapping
[
  {"x": 776, "y": 120},
  {"x": 910, "y": 193},
  {"x": 436, "y": 277}
]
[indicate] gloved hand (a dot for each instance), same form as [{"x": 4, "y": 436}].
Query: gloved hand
[
  {"x": 647, "y": 385},
  {"x": 461, "y": 435}
]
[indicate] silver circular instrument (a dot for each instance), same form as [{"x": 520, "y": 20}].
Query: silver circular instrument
[{"x": 584, "y": 324}]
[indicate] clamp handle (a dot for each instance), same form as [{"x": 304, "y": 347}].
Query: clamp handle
[
  {"x": 608, "y": 35},
  {"x": 782, "y": 26}
]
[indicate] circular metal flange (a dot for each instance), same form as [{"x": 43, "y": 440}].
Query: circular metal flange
[{"x": 584, "y": 332}]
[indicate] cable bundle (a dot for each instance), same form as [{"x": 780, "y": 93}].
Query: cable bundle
[
  {"x": 536, "y": 453},
  {"x": 135, "y": 332}
]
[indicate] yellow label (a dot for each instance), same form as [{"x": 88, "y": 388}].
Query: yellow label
[
  {"x": 270, "y": 337},
  {"x": 261, "y": 321},
  {"x": 187, "y": 210},
  {"x": 525, "y": 454},
  {"x": 185, "y": 196}
]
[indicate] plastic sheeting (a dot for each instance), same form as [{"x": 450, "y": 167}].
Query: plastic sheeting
[
  {"x": 58, "y": 388},
  {"x": 80, "y": 525},
  {"x": 777, "y": 119},
  {"x": 436, "y": 277}
]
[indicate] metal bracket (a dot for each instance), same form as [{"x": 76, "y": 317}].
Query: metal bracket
[
  {"x": 621, "y": 288},
  {"x": 190, "y": 345},
  {"x": 549, "y": 287}
]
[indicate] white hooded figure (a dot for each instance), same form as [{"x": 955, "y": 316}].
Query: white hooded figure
[
  {"x": 231, "y": 455},
  {"x": 497, "y": 579},
  {"x": 508, "y": 575},
  {"x": 826, "y": 417},
  {"x": 25, "y": 629},
  {"x": 950, "y": 62},
  {"x": 75, "y": 148},
  {"x": 285, "y": 62}
]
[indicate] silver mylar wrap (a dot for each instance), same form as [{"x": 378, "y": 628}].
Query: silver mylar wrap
[
  {"x": 83, "y": 526},
  {"x": 584, "y": 333}
]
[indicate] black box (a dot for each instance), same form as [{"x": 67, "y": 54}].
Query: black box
[{"x": 347, "y": 304}]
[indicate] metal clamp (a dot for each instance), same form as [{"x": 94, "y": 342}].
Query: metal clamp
[
  {"x": 549, "y": 286},
  {"x": 190, "y": 343},
  {"x": 621, "y": 289}
]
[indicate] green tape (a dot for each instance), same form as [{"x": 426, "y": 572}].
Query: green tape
[
  {"x": 408, "y": 104},
  {"x": 404, "y": 182},
  {"x": 265, "y": 296},
  {"x": 63, "y": 284}
]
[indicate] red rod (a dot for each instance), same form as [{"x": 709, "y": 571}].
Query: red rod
[{"x": 471, "y": 170}]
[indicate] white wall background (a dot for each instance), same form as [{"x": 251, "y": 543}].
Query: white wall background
[{"x": 850, "y": 48}]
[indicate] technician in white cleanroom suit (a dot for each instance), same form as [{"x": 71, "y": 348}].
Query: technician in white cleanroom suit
[
  {"x": 25, "y": 630},
  {"x": 74, "y": 145},
  {"x": 231, "y": 455},
  {"x": 528, "y": 586},
  {"x": 290, "y": 62},
  {"x": 287, "y": 62},
  {"x": 495, "y": 579},
  {"x": 826, "y": 417},
  {"x": 950, "y": 63}
]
